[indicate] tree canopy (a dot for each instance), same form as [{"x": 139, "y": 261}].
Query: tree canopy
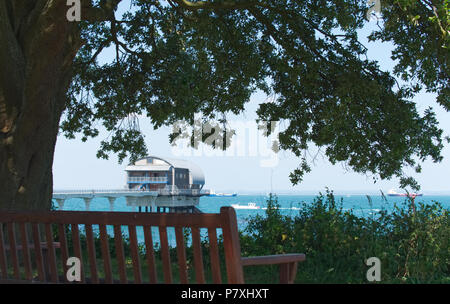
[{"x": 176, "y": 58}]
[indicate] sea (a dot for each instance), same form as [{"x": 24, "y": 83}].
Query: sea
[{"x": 361, "y": 205}]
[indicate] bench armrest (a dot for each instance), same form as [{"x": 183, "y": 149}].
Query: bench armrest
[{"x": 287, "y": 262}]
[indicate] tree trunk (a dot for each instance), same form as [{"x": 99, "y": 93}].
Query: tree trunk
[{"x": 37, "y": 48}]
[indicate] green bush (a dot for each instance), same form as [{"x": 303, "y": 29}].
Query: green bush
[{"x": 411, "y": 241}]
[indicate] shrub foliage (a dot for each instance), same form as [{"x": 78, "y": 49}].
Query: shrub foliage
[{"x": 411, "y": 241}]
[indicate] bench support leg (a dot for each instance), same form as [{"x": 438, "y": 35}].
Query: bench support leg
[{"x": 288, "y": 272}]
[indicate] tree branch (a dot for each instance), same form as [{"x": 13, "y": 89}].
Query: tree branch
[
  {"x": 229, "y": 5},
  {"x": 12, "y": 62},
  {"x": 105, "y": 11}
]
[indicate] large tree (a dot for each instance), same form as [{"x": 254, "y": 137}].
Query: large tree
[{"x": 175, "y": 58}]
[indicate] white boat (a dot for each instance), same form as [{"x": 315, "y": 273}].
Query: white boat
[
  {"x": 392, "y": 192},
  {"x": 212, "y": 193},
  {"x": 248, "y": 206}
]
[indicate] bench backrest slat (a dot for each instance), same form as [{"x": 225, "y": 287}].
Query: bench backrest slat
[
  {"x": 232, "y": 249},
  {"x": 77, "y": 249},
  {"x": 150, "y": 254},
  {"x": 104, "y": 243},
  {"x": 91, "y": 254},
  {"x": 51, "y": 257},
  {"x": 165, "y": 255},
  {"x": 198, "y": 256},
  {"x": 214, "y": 256},
  {"x": 120, "y": 254},
  {"x": 13, "y": 249},
  {"x": 97, "y": 239},
  {"x": 181, "y": 255},
  {"x": 38, "y": 251},
  {"x": 62, "y": 238},
  {"x": 3, "y": 263},
  {"x": 135, "y": 254},
  {"x": 26, "y": 251}
]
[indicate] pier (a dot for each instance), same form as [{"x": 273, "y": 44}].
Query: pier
[
  {"x": 160, "y": 200},
  {"x": 153, "y": 184}
]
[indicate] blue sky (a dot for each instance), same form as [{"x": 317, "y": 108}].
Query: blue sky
[{"x": 76, "y": 166}]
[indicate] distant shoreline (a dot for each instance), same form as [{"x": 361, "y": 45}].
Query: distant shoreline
[{"x": 425, "y": 193}]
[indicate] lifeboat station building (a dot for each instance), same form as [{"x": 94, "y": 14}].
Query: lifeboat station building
[
  {"x": 154, "y": 173},
  {"x": 177, "y": 182},
  {"x": 153, "y": 184}
]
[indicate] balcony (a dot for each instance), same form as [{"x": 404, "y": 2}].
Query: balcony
[
  {"x": 176, "y": 191},
  {"x": 146, "y": 180}
]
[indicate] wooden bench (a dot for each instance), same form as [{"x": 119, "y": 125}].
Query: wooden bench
[{"x": 22, "y": 258}]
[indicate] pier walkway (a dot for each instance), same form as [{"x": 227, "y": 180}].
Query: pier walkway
[{"x": 173, "y": 199}]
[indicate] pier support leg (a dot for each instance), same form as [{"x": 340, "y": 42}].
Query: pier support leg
[
  {"x": 60, "y": 202},
  {"x": 87, "y": 202},
  {"x": 111, "y": 203},
  {"x": 152, "y": 207}
]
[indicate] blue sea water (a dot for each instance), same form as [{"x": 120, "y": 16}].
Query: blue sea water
[{"x": 289, "y": 205}]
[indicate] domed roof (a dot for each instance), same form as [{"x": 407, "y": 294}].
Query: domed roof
[{"x": 164, "y": 164}]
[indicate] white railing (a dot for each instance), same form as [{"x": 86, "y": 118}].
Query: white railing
[
  {"x": 100, "y": 191},
  {"x": 178, "y": 191},
  {"x": 146, "y": 179},
  {"x": 165, "y": 191}
]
